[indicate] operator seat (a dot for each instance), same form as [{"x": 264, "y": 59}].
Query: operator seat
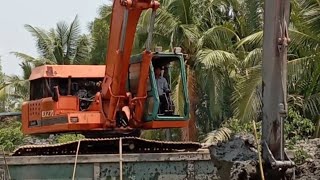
[{"x": 166, "y": 106}]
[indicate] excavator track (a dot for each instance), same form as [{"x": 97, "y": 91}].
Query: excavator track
[{"x": 107, "y": 146}]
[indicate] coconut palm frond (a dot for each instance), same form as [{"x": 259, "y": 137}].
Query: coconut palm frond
[
  {"x": 178, "y": 97},
  {"x": 82, "y": 54},
  {"x": 254, "y": 40},
  {"x": 73, "y": 35},
  {"x": 215, "y": 58},
  {"x": 34, "y": 61},
  {"x": 253, "y": 58},
  {"x": 247, "y": 96},
  {"x": 311, "y": 105},
  {"x": 301, "y": 40},
  {"x": 44, "y": 42},
  {"x": 220, "y": 135},
  {"x": 165, "y": 23}
]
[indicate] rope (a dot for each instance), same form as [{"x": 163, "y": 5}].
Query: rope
[
  {"x": 259, "y": 150},
  {"x": 75, "y": 162},
  {"x": 5, "y": 161}
]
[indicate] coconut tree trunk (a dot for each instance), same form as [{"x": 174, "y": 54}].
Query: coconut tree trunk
[{"x": 190, "y": 133}]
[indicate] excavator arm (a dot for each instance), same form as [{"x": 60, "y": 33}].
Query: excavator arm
[
  {"x": 274, "y": 77},
  {"x": 125, "y": 16}
]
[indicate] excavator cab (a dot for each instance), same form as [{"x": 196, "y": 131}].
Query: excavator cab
[{"x": 167, "y": 80}]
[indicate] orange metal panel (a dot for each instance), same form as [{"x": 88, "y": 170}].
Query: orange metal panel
[
  {"x": 34, "y": 109},
  {"x": 64, "y": 71},
  {"x": 47, "y": 104},
  {"x": 86, "y": 121},
  {"x": 70, "y": 103},
  {"x": 60, "y": 128},
  {"x": 25, "y": 116},
  {"x": 165, "y": 124},
  {"x": 87, "y": 117}
]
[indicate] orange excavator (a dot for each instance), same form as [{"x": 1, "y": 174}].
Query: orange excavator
[{"x": 122, "y": 97}]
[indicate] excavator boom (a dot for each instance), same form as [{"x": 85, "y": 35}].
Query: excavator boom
[
  {"x": 274, "y": 77},
  {"x": 125, "y": 16}
]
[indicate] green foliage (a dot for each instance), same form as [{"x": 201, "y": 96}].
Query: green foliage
[
  {"x": 162, "y": 134},
  {"x": 63, "y": 45},
  {"x": 220, "y": 135},
  {"x": 153, "y": 134},
  {"x": 69, "y": 137},
  {"x": 100, "y": 35},
  {"x": 10, "y": 135},
  {"x": 237, "y": 126},
  {"x": 297, "y": 128},
  {"x": 300, "y": 156}
]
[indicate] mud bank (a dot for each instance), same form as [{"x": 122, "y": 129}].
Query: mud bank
[
  {"x": 237, "y": 159},
  {"x": 310, "y": 169}
]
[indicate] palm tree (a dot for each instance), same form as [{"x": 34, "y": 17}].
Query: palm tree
[
  {"x": 221, "y": 59},
  {"x": 176, "y": 25},
  {"x": 217, "y": 68},
  {"x": 62, "y": 45},
  {"x": 12, "y": 90},
  {"x": 3, "y": 95},
  {"x": 303, "y": 67},
  {"x": 207, "y": 32},
  {"x": 99, "y": 30},
  {"x": 167, "y": 33}
]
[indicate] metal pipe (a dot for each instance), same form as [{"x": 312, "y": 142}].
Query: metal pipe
[
  {"x": 120, "y": 159},
  {"x": 283, "y": 51},
  {"x": 10, "y": 114},
  {"x": 282, "y": 115},
  {"x": 151, "y": 28},
  {"x": 124, "y": 29}
]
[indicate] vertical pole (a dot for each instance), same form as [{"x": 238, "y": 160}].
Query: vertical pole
[
  {"x": 96, "y": 171},
  {"x": 69, "y": 85},
  {"x": 7, "y": 167},
  {"x": 274, "y": 75},
  {"x": 120, "y": 154},
  {"x": 75, "y": 162}
]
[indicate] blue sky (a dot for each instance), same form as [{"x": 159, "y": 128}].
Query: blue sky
[{"x": 14, "y": 14}]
